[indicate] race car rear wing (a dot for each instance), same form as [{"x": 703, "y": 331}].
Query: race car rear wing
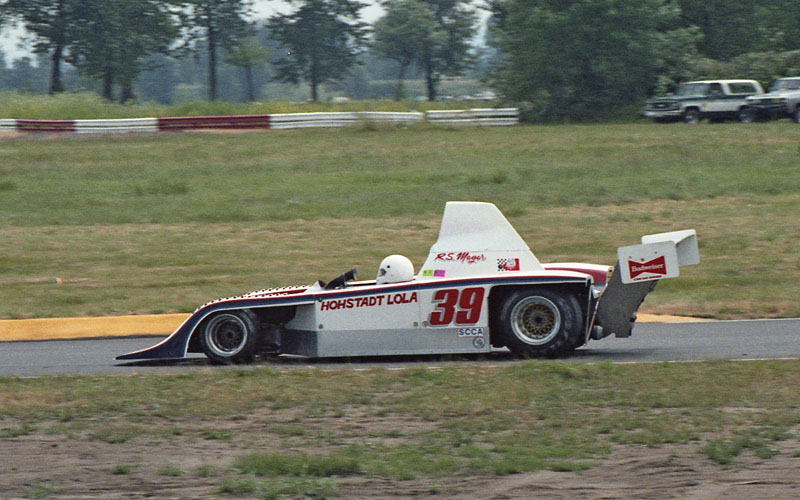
[{"x": 638, "y": 269}]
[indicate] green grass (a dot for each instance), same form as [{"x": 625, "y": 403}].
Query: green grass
[
  {"x": 86, "y": 106},
  {"x": 468, "y": 420},
  {"x": 12, "y": 432},
  {"x": 724, "y": 451},
  {"x": 114, "y": 434},
  {"x": 170, "y": 470},
  {"x": 163, "y": 223},
  {"x": 42, "y": 490},
  {"x": 282, "y": 464},
  {"x": 279, "y": 488},
  {"x": 123, "y": 469},
  {"x": 279, "y": 176}
]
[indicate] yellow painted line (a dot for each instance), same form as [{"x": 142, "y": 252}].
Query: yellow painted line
[
  {"x": 150, "y": 324},
  {"x": 75, "y": 328}
]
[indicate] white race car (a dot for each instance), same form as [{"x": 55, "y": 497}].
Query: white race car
[{"x": 480, "y": 288}]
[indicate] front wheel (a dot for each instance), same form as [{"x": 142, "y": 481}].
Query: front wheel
[
  {"x": 796, "y": 115},
  {"x": 230, "y": 337},
  {"x": 540, "y": 322},
  {"x": 747, "y": 115},
  {"x": 691, "y": 116}
]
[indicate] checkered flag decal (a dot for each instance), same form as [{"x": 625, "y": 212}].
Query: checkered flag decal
[{"x": 508, "y": 264}]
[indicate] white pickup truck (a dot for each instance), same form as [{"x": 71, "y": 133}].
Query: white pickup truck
[
  {"x": 712, "y": 99},
  {"x": 782, "y": 101}
]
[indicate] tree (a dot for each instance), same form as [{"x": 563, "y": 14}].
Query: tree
[
  {"x": 404, "y": 33},
  {"x": 779, "y": 25},
  {"x": 26, "y": 76},
  {"x": 114, "y": 38},
  {"x": 321, "y": 40},
  {"x": 584, "y": 57},
  {"x": 729, "y": 28},
  {"x": 221, "y": 23},
  {"x": 248, "y": 54},
  {"x": 52, "y": 23},
  {"x": 158, "y": 80},
  {"x": 434, "y": 34}
]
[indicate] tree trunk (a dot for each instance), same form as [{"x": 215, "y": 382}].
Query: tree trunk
[
  {"x": 399, "y": 90},
  {"x": 108, "y": 84},
  {"x": 314, "y": 78},
  {"x": 251, "y": 91},
  {"x": 430, "y": 81},
  {"x": 58, "y": 52},
  {"x": 126, "y": 94},
  {"x": 212, "y": 63},
  {"x": 56, "y": 85}
]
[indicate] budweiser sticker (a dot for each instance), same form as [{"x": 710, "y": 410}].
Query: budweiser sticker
[
  {"x": 650, "y": 261},
  {"x": 655, "y": 266}
]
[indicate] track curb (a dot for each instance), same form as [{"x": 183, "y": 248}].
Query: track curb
[
  {"x": 149, "y": 324},
  {"x": 90, "y": 327}
]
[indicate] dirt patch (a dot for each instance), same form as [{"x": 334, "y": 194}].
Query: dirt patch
[
  {"x": 10, "y": 134},
  {"x": 45, "y": 465}
]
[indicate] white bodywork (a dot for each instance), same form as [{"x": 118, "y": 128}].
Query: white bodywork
[{"x": 475, "y": 239}]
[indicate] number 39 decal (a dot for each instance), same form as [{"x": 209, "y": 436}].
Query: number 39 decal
[{"x": 462, "y": 305}]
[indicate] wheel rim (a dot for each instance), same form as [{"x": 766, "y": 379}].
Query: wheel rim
[
  {"x": 692, "y": 117},
  {"x": 535, "y": 320},
  {"x": 226, "y": 335}
]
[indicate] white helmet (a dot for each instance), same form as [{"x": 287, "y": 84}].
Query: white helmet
[{"x": 395, "y": 269}]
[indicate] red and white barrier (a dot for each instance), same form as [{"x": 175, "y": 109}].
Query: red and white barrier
[
  {"x": 480, "y": 117},
  {"x": 222, "y": 122}
]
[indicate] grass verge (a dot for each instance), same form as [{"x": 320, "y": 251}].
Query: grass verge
[
  {"x": 491, "y": 421},
  {"x": 139, "y": 224}
]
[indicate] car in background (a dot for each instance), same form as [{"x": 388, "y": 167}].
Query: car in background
[
  {"x": 782, "y": 101},
  {"x": 713, "y": 99}
]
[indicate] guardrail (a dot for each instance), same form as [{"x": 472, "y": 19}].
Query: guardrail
[
  {"x": 324, "y": 120},
  {"x": 474, "y": 117},
  {"x": 493, "y": 117}
]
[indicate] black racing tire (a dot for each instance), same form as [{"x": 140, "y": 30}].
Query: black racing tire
[
  {"x": 692, "y": 116},
  {"x": 230, "y": 336},
  {"x": 540, "y": 322}
]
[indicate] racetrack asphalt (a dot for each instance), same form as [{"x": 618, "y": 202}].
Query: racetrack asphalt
[{"x": 148, "y": 324}]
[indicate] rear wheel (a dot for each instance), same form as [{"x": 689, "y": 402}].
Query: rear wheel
[
  {"x": 230, "y": 337},
  {"x": 540, "y": 322}
]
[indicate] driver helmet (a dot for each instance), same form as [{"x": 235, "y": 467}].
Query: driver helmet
[{"x": 395, "y": 269}]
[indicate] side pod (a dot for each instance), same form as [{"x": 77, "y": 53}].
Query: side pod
[{"x": 638, "y": 269}]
